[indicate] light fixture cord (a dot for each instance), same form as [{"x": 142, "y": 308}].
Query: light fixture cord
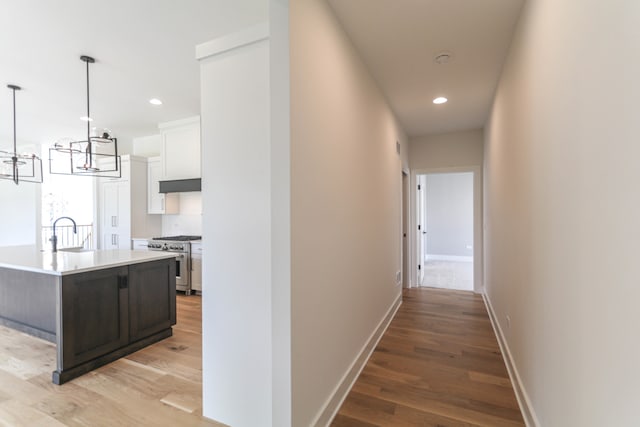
[
  {"x": 15, "y": 146},
  {"x": 89, "y": 158},
  {"x": 15, "y": 149}
]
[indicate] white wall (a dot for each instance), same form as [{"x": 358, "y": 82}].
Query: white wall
[
  {"x": 345, "y": 207},
  {"x": 562, "y": 210},
  {"x": 147, "y": 146},
  {"x": 19, "y": 214},
  {"x": 447, "y": 150},
  {"x": 188, "y": 220},
  {"x": 236, "y": 317},
  {"x": 449, "y": 214},
  {"x": 246, "y": 227}
]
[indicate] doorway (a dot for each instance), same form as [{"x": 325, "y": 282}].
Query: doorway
[{"x": 447, "y": 229}]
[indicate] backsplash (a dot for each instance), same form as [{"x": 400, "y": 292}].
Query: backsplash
[{"x": 189, "y": 220}]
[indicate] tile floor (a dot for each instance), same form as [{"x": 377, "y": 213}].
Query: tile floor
[{"x": 448, "y": 275}]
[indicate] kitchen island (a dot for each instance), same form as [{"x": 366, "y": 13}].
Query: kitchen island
[{"x": 96, "y": 306}]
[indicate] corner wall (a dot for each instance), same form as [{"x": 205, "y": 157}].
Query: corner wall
[
  {"x": 562, "y": 209},
  {"x": 346, "y": 193}
]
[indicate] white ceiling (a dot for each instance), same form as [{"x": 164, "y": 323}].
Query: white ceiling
[
  {"x": 143, "y": 49},
  {"x": 398, "y": 40}
]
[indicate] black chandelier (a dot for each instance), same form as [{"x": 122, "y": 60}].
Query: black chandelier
[
  {"x": 19, "y": 167},
  {"x": 95, "y": 156}
]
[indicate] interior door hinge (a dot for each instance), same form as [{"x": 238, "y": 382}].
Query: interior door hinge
[
  {"x": 418, "y": 186},
  {"x": 419, "y": 267},
  {"x": 419, "y": 227}
]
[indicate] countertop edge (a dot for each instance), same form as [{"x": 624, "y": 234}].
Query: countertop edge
[{"x": 151, "y": 256}]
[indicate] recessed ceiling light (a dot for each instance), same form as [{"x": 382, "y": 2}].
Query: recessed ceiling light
[
  {"x": 86, "y": 119},
  {"x": 440, "y": 100},
  {"x": 155, "y": 101}
]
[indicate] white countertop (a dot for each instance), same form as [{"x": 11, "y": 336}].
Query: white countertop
[{"x": 29, "y": 258}]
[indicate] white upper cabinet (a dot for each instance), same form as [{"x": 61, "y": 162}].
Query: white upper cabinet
[
  {"x": 159, "y": 203},
  {"x": 180, "y": 149}
]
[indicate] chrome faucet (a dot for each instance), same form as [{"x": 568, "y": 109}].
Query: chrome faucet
[{"x": 54, "y": 238}]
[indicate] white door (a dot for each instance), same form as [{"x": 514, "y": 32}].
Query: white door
[{"x": 421, "y": 232}]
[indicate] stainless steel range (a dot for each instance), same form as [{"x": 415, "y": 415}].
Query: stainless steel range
[{"x": 182, "y": 247}]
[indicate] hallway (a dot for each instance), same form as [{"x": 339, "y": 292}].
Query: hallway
[{"x": 438, "y": 364}]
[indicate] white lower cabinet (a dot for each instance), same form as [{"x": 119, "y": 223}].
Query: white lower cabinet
[
  {"x": 196, "y": 266},
  {"x": 139, "y": 244}
]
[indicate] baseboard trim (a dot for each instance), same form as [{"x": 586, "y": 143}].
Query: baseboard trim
[
  {"x": 340, "y": 392},
  {"x": 524, "y": 402},
  {"x": 436, "y": 257}
]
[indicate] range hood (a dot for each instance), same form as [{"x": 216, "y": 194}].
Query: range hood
[{"x": 181, "y": 185}]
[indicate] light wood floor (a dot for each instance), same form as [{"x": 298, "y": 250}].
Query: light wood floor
[
  {"x": 438, "y": 364},
  {"x": 160, "y": 385}
]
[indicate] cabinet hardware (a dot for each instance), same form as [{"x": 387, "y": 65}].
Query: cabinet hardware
[{"x": 123, "y": 282}]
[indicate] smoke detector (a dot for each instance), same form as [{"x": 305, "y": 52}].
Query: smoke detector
[{"x": 443, "y": 57}]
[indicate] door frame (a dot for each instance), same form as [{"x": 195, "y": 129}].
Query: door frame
[
  {"x": 478, "y": 244},
  {"x": 405, "y": 209}
]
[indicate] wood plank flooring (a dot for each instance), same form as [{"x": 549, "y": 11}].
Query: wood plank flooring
[
  {"x": 438, "y": 364},
  {"x": 160, "y": 385}
]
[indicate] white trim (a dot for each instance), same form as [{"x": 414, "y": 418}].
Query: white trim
[
  {"x": 436, "y": 257},
  {"x": 339, "y": 394},
  {"x": 232, "y": 41},
  {"x": 524, "y": 402},
  {"x": 478, "y": 263},
  {"x": 178, "y": 123}
]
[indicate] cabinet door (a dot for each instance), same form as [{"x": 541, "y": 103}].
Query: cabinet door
[
  {"x": 181, "y": 149},
  {"x": 95, "y": 314},
  {"x": 115, "y": 199},
  {"x": 159, "y": 203},
  {"x": 196, "y": 267},
  {"x": 152, "y": 298},
  {"x": 110, "y": 209},
  {"x": 155, "y": 199}
]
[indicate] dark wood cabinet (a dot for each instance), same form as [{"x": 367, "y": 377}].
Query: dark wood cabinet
[
  {"x": 106, "y": 314},
  {"x": 94, "y": 317},
  {"x": 95, "y": 314},
  {"x": 152, "y": 302}
]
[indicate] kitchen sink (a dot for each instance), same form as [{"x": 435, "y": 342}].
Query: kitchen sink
[{"x": 75, "y": 249}]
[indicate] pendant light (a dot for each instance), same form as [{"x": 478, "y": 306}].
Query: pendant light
[
  {"x": 95, "y": 156},
  {"x": 19, "y": 167}
]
